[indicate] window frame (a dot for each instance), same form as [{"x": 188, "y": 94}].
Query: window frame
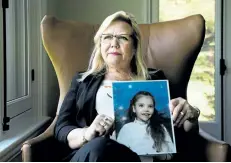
[
  {"x": 36, "y": 10},
  {"x": 213, "y": 127},
  {"x": 227, "y": 77},
  {"x": 21, "y": 104},
  {"x": 32, "y": 122},
  {"x": 1, "y": 67}
]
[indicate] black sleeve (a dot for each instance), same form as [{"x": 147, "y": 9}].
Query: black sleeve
[{"x": 67, "y": 116}]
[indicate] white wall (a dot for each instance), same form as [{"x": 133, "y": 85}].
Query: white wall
[
  {"x": 95, "y": 11},
  {"x": 51, "y": 7},
  {"x": 49, "y": 79}
]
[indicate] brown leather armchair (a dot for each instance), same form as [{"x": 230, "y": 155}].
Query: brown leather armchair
[{"x": 172, "y": 46}]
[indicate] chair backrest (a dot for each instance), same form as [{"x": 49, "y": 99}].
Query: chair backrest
[{"x": 172, "y": 46}]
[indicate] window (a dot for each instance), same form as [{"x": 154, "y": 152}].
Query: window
[
  {"x": 204, "y": 81},
  {"x": 17, "y": 50},
  {"x": 24, "y": 54},
  {"x": 18, "y": 59}
]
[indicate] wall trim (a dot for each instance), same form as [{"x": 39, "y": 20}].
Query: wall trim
[
  {"x": 148, "y": 6},
  {"x": 217, "y": 77},
  {"x": 154, "y": 11},
  {"x": 227, "y": 77},
  {"x": 42, "y": 62}
]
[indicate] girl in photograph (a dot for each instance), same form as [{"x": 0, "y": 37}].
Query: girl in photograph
[{"x": 147, "y": 131}]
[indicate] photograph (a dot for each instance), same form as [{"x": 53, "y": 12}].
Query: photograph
[{"x": 142, "y": 116}]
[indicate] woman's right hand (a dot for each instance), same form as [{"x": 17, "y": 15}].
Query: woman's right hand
[{"x": 99, "y": 127}]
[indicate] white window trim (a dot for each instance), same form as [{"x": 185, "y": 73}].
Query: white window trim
[
  {"x": 214, "y": 128},
  {"x": 1, "y": 68},
  {"x": 148, "y": 8},
  {"x": 40, "y": 61},
  {"x": 227, "y": 79}
]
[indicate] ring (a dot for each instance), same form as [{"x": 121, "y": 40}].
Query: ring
[
  {"x": 181, "y": 113},
  {"x": 103, "y": 123}
]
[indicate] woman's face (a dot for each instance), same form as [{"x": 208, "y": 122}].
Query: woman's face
[
  {"x": 117, "y": 45},
  {"x": 144, "y": 108}
]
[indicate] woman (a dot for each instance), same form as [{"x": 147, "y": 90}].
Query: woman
[
  {"x": 83, "y": 125},
  {"x": 146, "y": 134}
]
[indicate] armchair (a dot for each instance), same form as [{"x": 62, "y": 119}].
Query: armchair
[{"x": 172, "y": 46}]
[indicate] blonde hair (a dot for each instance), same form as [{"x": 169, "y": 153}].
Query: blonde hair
[{"x": 97, "y": 64}]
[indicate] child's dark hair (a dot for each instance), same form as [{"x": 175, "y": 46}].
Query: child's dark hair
[{"x": 156, "y": 123}]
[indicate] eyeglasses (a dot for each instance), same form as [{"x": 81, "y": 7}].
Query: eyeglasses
[{"x": 122, "y": 39}]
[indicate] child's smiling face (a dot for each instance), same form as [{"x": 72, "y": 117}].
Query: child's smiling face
[{"x": 143, "y": 108}]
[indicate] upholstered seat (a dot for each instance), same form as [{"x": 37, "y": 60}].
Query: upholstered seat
[{"x": 172, "y": 46}]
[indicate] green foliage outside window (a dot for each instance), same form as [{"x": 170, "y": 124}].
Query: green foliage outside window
[{"x": 201, "y": 88}]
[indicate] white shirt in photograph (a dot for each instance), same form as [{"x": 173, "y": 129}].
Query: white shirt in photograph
[{"x": 134, "y": 135}]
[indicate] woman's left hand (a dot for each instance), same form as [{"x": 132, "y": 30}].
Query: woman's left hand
[{"x": 183, "y": 113}]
